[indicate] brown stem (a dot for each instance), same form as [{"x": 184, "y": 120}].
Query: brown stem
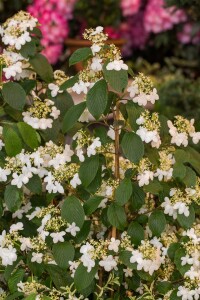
[{"x": 116, "y": 129}]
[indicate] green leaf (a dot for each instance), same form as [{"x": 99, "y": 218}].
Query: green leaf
[
  {"x": 172, "y": 250},
  {"x": 179, "y": 170},
  {"x": 83, "y": 278},
  {"x": 72, "y": 116},
  {"x": 69, "y": 82},
  {"x": 72, "y": 211},
  {"x": 59, "y": 278},
  {"x": 133, "y": 147},
  {"x": 136, "y": 232},
  {"x": 134, "y": 111},
  {"x": 190, "y": 178},
  {"x": 92, "y": 204},
  {"x": 63, "y": 102},
  {"x": 157, "y": 222},
  {"x": 138, "y": 197},
  {"x": 118, "y": 80},
  {"x": 186, "y": 222},
  {"x": 178, "y": 262},
  {"x": 14, "y": 279},
  {"x": 181, "y": 156},
  {"x": 125, "y": 257},
  {"x": 123, "y": 191},
  {"x": 31, "y": 297},
  {"x": 35, "y": 184},
  {"x": 163, "y": 287},
  {"x": 88, "y": 170},
  {"x": 28, "y": 134},
  {"x": 154, "y": 187},
  {"x": 80, "y": 55},
  {"x": 97, "y": 98},
  {"x": 13, "y": 143},
  {"x": 28, "y": 50},
  {"x": 28, "y": 85},
  {"x": 84, "y": 232},
  {"x": 63, "y": 253},
  {"x": 13, "y": 197},
  {"x": 14, "y": 95},
  {"x": 42, "y": 67},
  {"x": 194, "y": 159},
  {"x": 116, "y": 216},
  {"x": 174, "y": 296}
]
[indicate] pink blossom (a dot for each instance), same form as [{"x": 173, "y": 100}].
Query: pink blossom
[
  {"x": 130, "y": 7},
  {"x": 189, "y": 34},
  {"x": 53, "y": 15},
  {"x": 112, "y": 32},
  {"x": 157, "y": 18}
]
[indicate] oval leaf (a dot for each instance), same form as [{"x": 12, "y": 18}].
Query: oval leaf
[
  {"x": 88, "y": 170},
  {"x": 14, "y": 95},
  {"x": 157, "y": 222},
  {"x": 63, "y": 253},
  {"x": 97, "y": 98},
  {"x": 123, "y": 191},
  {"x": 72, "y": 211},
  {"x": 133, "y": 147},
  {"x": 72, "y": 116},
  {"x": 28, "y": 134}
]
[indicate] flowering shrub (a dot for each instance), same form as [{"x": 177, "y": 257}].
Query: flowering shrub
[{"x": 113, "y": 213}]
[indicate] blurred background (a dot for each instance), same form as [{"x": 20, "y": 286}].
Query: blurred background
[{"x": 160, "y": 38}]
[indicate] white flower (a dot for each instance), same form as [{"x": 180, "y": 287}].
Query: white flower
[
  {"x": 55, "y": 113},
  {"x": 145, "y": 177},
  {"x": 25, "y": 244},
  {"x": 13, "y": 70},
  {"x": 75, "y": 181},
  {"x": 86, "y": 248},
  {"x": 153, "y": 96},
  {"x": 148, "y": 136},
  {"x": 72, "y": 229},
  {"x": 97, "y": 30},
  {"x": 95, "y": 48},
  {"x": 80, "y": 155},
  {"x": 80, "y": 87},
  {"x": 128, "y": 272},
  {"x": 87, "y": 261},
  {"x": 108, "y": 263},
  {"x": 195, "y": 137},
  {"x": 111, "y": 133},
  {"x": 116, "y": 65},
  {"x": 186, "y": 260},
  {"x": 3, "y": 174},
  {"x": 58, "y": 236},
  {"x": 133, "y": 90},
  {"x": 73, "y": 266},
  {"x": 96, "y": 64},
  {"x": 114, "y": 245},
  {"x": 37, "y": 257},
  {"x": 16, "y": 227},
  {"x": 91, "y": 150},
  {"x": 54, "y": 89},
  {"x": 8, "y": 255}
]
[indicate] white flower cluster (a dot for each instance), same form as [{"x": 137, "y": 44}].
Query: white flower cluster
[
  {"x": 180, "y": 201},
  {"x": 48, "y": 162},
  {"x": 103, "y": 251},
  {"x": 41, "y": 114},
  {"x": 16, "y": 66},
  {"x": 142, "y": 91},
  {"x": 148, "y": 256},
  {"x": 86, "y": 143},
  {"x": 145, "y": 173},
  {"x": 181, "y": 130},
  {"x": 16, "y": 31},
  {"x": 165, "y": 169},
  {"x": 149, "y": 128},
  {"x": 116, "y": 65}
]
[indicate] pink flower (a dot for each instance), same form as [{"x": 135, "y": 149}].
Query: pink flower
[
  {"x": 189, "y": 34},
  {"x": 157, "y": 18},
  {"x": 112, "y": 32},
  {"x": 130, "y": 7},
  {"x": 53, "y": 15}
]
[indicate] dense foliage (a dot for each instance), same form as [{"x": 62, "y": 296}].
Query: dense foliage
[{"x": 113, "y": 213}]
